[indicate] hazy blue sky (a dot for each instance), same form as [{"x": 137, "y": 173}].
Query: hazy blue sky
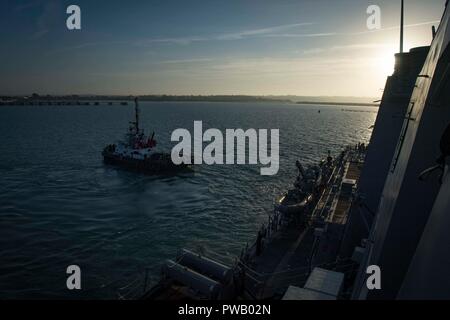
[{"x": 308, "y": 47}]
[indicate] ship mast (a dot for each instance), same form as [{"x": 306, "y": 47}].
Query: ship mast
[
  {"x": 136, "y": 111},
  {"x": 401, "y": 26}
]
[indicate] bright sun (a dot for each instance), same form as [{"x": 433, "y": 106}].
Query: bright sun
[{"x": 386, "y": 62}]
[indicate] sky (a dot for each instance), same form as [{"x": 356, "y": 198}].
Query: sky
[{"x": 254, "y": 47}]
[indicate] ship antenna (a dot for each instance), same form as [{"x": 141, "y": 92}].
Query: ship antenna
[
  {"x": 136, "y": 111},
  {"x": 401, "y": 26}
]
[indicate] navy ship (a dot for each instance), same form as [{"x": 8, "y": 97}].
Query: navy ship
[
  {"x": 385, "y": 205},
  {"x": 137, "y": 152},
  {"x": 197, "y": 276}
]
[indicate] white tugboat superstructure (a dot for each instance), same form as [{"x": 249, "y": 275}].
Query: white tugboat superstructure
[{"x": 137, "y": 152}]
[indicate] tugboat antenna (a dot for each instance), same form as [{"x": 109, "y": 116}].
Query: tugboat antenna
[
  {"x": 401, "y": 26},
  {"x": 136, "y": 111}
]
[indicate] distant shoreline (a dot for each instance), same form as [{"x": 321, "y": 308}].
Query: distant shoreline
[
  {"x": 352, "y": 104},
  {"x": 124, "y": 100}
]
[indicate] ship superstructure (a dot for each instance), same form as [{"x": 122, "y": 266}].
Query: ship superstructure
[
  {"x": 398, "y": 219},
  {"x": 405, "y": 224}
]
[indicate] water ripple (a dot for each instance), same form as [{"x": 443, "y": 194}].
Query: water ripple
[{"x": 59, "y": 205}]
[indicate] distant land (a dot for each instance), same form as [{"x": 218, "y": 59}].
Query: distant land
[
  {"x": 82, "y": 99},
  {"x": 340, "y": 103}
]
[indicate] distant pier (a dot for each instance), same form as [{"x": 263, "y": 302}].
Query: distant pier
[{"x": 29, "y": 102}]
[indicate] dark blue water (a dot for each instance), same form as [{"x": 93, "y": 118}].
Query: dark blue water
[{"x": 60, "y": 205}]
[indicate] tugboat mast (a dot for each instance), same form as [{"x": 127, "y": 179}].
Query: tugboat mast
[{"x": 136, "y": 111}]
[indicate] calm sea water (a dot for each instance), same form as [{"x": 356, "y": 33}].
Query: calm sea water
[{"x": 60, "y": 205}]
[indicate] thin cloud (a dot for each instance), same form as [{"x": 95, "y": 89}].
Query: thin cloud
[
  {"x": 362, "y": 46},
  {"x": 269, "y": 33},
  {"x": 331, "y": 34},
  {"x": 257, "y": 67},
  {"x": 350, "y": 47},
  {"x": 226, "y": 36},
  {"x": 180, "y": 40},
  {"x": 301, "y": 35},
  {"x": 180, "y": 61},
  {"x": 86, "y": 45},
  {"x": 391, "y": 28},
  {"x": 257, "y": 32}
]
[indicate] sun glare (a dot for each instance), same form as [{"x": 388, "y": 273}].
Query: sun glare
[{"x": 385, "y": 63}]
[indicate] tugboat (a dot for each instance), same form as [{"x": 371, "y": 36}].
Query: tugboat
[{"x": 137, "y": 153}]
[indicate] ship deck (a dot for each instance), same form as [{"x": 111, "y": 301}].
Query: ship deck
[{"x": 291, "y": 253}]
